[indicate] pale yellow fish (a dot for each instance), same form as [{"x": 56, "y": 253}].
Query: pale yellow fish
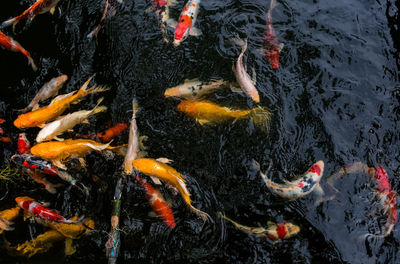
[{"x": 195, "y": 89}]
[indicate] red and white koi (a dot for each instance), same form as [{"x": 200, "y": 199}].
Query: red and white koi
[
  {"x": 158, "y": 203},
  {"x": 272, "y": 231},
  {"x": 40, "y": 7},
  {"x": 187, "y": 19},
  {"x": 24, "y": 145},
  {"x": 272, "y": 48},
  {"x": 41, "y": 212},
  {"x": 10, "y": 44},
  {"x": 304, "y": 185},
  {"x": 242, "y": 77},
  {"x": 48, "y": 90}
]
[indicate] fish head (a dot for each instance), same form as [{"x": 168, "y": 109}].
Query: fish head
[
  {"x": 21, "y": 199},
  {"x": 170, "y": 93},
  {"x": 182, "y": 29},
  {"x": 291, "y": 229},
  {"x": 317, "y": 168},
  {"x": 186, "y": 107},
  {"x": 273, "y": 57},
  {"x": 380, "y": 173},
  {"x": 22, "y": 121}
]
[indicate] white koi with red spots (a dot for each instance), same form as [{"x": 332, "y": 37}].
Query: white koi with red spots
[
  {"x": 187, "y": 19},
  {"x": 304, "y": 185}
]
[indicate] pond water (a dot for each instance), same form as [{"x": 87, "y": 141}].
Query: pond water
[{"x": 335, "y": 97}]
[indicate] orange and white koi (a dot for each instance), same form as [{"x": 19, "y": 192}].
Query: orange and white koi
[
  {"x": 272, "y": 48},
  {"x": 195, "y": 89},
  {"x": 187, "y": 19},
  {"x": 40, "y": 7},
  {"x": 57, "y": 106},
  {"x": 304, "y": 185},
  {"x": 48, "y": 90},
  {"x": 24, "y": 145},
  {"x": 63, "y": 123},
  {"x": 109, "y": 12},
  {"x": 59, "y": 152},
  {"x": 246, "y": 84},
  {"x": 6, "y": 217},
  {"x": 273, "y": 231},
  {"x": 206, "y": 112},
  {"x": 158, "y": 203},
  {"x": 10, "y": 44},
  {"x": 41, "y": 212},
  {"x": 161, "y": 170}
]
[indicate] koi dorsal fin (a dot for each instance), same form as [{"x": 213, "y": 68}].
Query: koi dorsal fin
[{"x": 60, "y": 97}]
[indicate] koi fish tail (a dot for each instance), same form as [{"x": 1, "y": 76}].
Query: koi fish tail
[
  {"x": 94, "y": 32},
  {"x": 12, "y": 21},
  {"x": 120, "y": 150},
  {"x": 5, "y": 224},
  {"x": 261, "y": 117},
  {"x": 51, "y": 188},
  {"x": 93, "y": 89},
  {"x": 135, "y": 107},
  {"x": 32, "y": 63},
  {"x": 201, "y": 214},
  {"x": 98, "y": 109}
]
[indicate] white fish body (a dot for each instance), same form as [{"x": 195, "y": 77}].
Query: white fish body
[
  {"x": 133, "y": 143},
  {"x": 194, "y": 89}
]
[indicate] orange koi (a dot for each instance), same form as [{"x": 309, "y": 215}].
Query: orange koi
[
  {"x": 112, "y": 132},
  {"x": 59, "y": 152},
  {"x": 205, "y": 112},
  {"x": 6, "y": 216},
  {"x": 5, "y": 139},
  {"x": 161, "y": 170},
  {"x": 158, "y": 203},
  {"x": 10, "y": 44},
  {"x": 56, "y": 107},
  {"x": 40, "y": 7}
]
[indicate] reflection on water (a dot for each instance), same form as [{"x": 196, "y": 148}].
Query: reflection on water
[{"x": 335, "y": 97}]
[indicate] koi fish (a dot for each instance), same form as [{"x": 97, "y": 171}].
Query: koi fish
[
  {"x": 24, "y": 145},
  {"x": 36, "y": 164},
  {"x": 5, "y": 139},
  {"x": 195, "y": 89},
  {"x": 242, "y": 77},
  {"x": 48, "y": 90},
  {"x": 302, "y": 186},
  {"x": 271, "y": 44},
  {"x": 272, "y": 231},
  {"x": 161, "y": 7},
  {"x": 109, "y": 12},
  {"x": 10, "y": 44},
  {"x": 6, "y": 217},
  {"x": 59, "y": 152},
  {"x": 158, "y": 168},
  {"x": 50, "y": 187},
  {"x": 41, "y": 212},
  {"x": 40, "y": 7},
  {"x": 187, "y": 19},
  {"x": 1, "y": 122},
  {"x": 63, "y": 123},
  {"x": 111, "y": 133},
  {"x": 133, "y": 142},
  {"x": 206, "y": 112},
  {"x": 158, "y": 203},
  {"x": 56, "y": 107}
]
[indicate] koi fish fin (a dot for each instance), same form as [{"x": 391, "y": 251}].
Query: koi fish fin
[
  {"x": 41, "y": 126},
  {"x": 98, "y": 147},
  {"x": 235, "y": 89},
  {"x": 280, "y": 47},
  {"x": 271, "y": 224},
  {"x": 120, "y": 150},
  {"x": 261, "y": 117},
  {"x": 152, "y": 214},
  {"x": 319, "y": 192},
  {"x": 171, "y": 23},
  {"x": 203, "y": 121},
  {"x": 98, "y": 108},
  {"x": 58, "y": 139},
  {"x": 51, "y": 188},
  {"x": 82, "y": 162},
  {"x": 195, "y": 32},
  {"x": 69, "y": 248},
  {"x": 5, "y": 225},
  {"x": 141, "y": 139},
  {"x": 60, "y": 97},
  {"x": 59, "y": 164},
  {"x": 12, "y": 21},
  {"x": 165, "y": 160},
  {"x": 86, "y": 121},
  {"x": 32, "y": 63},
  {"x": 52, "y": 10},
  {"x": 254, "y": 77},
  {"x": 155, "y": 180},
  {"x": 35, "y": 107}
]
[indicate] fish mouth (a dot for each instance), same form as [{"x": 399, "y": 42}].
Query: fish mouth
[
  {"x": 320, "y": 164},
  {"x": 176, "y": 43}
]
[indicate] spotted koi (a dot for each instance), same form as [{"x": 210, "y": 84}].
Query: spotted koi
[
  {"x": 41, "y": 212},
  {"x": 304, "y": 185},
  {"x": 187, "y": 19}
]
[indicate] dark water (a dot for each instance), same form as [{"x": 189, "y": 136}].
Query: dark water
[{"x": 336, "y": 97}]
